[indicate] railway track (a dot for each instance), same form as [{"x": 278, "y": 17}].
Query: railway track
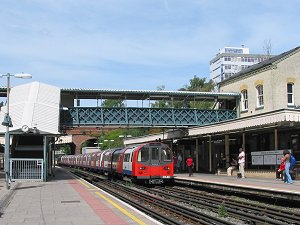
[
  {"x": 174, "y": 205},
  {"x": 153, "y": 206},
  {"x": 249, "y": 212}
]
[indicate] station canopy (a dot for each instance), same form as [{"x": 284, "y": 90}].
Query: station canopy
[{"x": 146, "y": 94}]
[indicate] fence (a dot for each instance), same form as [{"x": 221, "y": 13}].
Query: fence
[{"x": 26, "y": 169}]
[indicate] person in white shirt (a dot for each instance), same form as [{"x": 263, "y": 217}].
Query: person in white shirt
[{"x": 242, "y": 162}]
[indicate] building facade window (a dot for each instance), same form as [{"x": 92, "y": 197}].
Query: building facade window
[
  {"x": 290, "y": 93},
  {"x": 244, "y": 100},
  {"x": 260, "y": 95}
]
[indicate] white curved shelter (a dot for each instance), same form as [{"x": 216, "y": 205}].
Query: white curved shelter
[{"x": 35, "y": 105}]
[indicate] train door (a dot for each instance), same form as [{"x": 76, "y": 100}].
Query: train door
[
  {"x": 127, "y": 161},
  {"x": 155, "y": 156}
]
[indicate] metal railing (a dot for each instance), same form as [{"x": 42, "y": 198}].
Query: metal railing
[
  {"x": 26, "y": 169},
  {"x": 171, "y": 117}
]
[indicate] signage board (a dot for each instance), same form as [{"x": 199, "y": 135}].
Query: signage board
[
  {"x": 257, "y": 160},
  {"x": 267, "y": 157}
]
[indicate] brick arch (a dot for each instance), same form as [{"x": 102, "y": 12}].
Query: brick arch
[
  {"x": 78, "y": 140},
  {"x": 82, "y": 134}
]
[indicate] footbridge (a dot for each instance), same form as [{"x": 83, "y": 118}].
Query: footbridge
[{"x": 138, "y": 108}]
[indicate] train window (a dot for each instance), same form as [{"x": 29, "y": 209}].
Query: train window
[
  {"x": 126, "y": 157},
  {"x": 116, "y": 157},
  {"x": 143, "y": 155},
  {"x": 155, "y": 153},
  {"x": 166, "y": 154}
]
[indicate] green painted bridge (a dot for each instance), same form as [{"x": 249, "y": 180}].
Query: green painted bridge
[{"x": 147, "y": 117}]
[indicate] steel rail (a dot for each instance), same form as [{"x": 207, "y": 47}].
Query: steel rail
[
  {"x": 287, "y": 215},
  {"x": 194, "y": 217},
  {"x": 212, "y": 205}
]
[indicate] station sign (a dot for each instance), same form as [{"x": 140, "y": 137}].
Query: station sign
[{"x": 267, "y": 157}]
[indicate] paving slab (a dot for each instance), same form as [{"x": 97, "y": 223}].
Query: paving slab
[{"x": 65, "y": 200}]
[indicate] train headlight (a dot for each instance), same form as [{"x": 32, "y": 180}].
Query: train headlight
[
  {"x": 166, "y": 168},
  {"x": 142, "y": 168}
]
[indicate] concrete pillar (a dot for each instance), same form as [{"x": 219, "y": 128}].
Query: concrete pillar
[
  {"x": 276, "y": 138},
  {"x": 45, "y": 158},
  {"x": 197, "y": 155},
  {"x": 209, "y": 153},
  {"x": 244, "y": 147},
  {"x": 227, "y": 150}
]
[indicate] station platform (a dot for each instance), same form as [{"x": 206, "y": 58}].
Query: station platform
[
  {"x": 64, "y": 200},
  {"x": 262, "y": 186}
]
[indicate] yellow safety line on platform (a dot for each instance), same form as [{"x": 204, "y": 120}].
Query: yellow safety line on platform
[
  {"x": 121, "y": 209},
  {"x": 86, "y": 185}
]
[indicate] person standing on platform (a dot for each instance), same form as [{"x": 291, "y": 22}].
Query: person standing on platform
[
  {"x": 175, "y": 160},
  {"x": 190, "y": 164},
  {"x": 281, "y": 170},
  {"x": 242, "y": 162},
  {"x": 286, "y": 158},
  {"x": 179, "y": 160}
]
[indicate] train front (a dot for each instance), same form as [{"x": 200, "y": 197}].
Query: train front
[{"x": 153, "y": 163}]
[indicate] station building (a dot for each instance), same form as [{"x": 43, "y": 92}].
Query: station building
[{"x": 268, "y": 121}]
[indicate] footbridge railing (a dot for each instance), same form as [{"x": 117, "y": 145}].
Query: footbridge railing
[{"x": 93, "y": 116}]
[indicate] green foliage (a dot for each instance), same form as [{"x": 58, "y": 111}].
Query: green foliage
[
  {"x": 199, "y": 85},
  {"x": 196, "y": 84},
  {"x": 115, "y": 136},
  {"x": 66, "y": 149},
  {"x": 112, "y": 103},
  {"x": 161, "y": 103},
  {"x": 222, "y": 211}
]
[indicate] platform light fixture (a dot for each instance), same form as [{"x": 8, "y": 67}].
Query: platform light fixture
[{"x": 8, "y": 123}]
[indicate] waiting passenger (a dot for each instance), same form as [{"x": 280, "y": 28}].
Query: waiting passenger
[
  {"x": 286, "y": 158},
  {"x": 233, "y": 166},
  {"x": 175, "y": 160},
  {"x": 179, "y": 160},
  {"x": 281, "y": 170},
  {"x": 242, "y": 162},
  {"x": 190, "y": 165}
]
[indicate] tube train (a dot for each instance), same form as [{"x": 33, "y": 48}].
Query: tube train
[{"x": 149, "y": 163}]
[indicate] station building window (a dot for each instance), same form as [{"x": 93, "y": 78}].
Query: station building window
[
  {"x": 290, "y": 93},
  {"x": 244, "y": 100},
  {"x": 260, "y": 95}
]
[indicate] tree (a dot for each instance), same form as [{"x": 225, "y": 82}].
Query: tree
[
  {"x": 160, "y": 103},
  {"x": 110, "y": 103},
  {"x": 198, "y": 84},
  {"x": 66, "y": 149}
]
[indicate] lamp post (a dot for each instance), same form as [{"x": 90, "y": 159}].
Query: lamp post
[{"x": 7, "y": 123}]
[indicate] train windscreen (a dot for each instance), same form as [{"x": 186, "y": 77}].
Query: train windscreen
[
  {"x": 166, "y": 154},
  {"x": 143, "y": 155}
]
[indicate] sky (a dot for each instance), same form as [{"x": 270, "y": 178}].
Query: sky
[{"x": 135, "y": 44}]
